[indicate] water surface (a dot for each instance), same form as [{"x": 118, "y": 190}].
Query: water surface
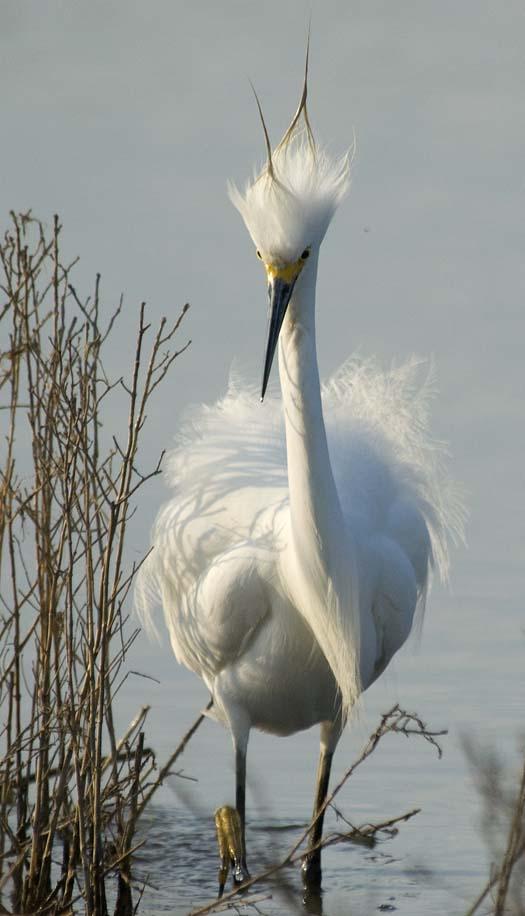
[{"x": 466, "y": 676}]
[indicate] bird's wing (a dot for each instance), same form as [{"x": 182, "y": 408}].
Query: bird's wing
[
  {"x": 228, "y": 478},
  {"x": 229, "y": 481},
  {"x": 392, "y": 484}
]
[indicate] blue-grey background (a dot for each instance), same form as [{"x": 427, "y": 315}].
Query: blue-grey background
[{"x": 127, "y": 119}]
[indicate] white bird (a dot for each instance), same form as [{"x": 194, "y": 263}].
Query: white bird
[{"x": 300, "y": 535}]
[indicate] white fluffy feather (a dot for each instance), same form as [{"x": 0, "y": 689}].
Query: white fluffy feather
[
  {"x": 286, "y": 213},
  {"x": 228, "y": 475}
]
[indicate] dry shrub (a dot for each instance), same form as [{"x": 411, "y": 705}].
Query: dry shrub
[
  {"x": 70, "y": 792},
  {"x": 503, "y": 826}
]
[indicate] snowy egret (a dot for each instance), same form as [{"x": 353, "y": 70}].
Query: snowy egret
[{"x": 300, "y": 536}]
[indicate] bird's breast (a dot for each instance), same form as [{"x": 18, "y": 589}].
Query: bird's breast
[{"x": 282, "y": 681}]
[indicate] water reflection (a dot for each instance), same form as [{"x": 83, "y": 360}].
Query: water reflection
[
  {"x": 313, "y": 901},
  {"x": 178, "y": 865}
]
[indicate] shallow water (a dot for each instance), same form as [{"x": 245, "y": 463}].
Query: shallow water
[
  {"x": 427, "y": 257},
  {"x": 466, "y": 676}
]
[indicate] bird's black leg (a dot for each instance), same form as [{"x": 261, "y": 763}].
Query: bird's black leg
[
  {"x": 241, "y": 873},
  {"x": 231, "y": 831},
  {"x": 311, "y": 867}
]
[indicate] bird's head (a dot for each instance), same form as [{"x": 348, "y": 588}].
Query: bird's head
[{"x": 287, "y": 209}]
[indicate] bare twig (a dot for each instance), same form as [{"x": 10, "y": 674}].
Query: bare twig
[
  {"x": 396, "y": 721},
  {"x": 509, "y": 874},
  {"x": 66, "y": 780},
  {"x": 166, "y": 769}
]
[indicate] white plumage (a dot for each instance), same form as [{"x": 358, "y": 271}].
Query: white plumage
[
  {"x": 300, "y": 535},
  {"x": 231, "y": 505}
]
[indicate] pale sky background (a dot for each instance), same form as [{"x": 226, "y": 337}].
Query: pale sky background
[{"x": 128, "y": 118}]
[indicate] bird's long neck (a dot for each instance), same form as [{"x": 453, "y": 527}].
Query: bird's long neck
[
  {"x": 314, "y": 502},
  {"x": 323, "y": 586}
]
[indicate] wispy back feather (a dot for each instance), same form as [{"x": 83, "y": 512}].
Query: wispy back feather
[{"x": 381, "y": 454}]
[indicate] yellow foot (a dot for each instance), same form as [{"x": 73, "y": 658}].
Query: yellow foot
[{"x": 231, "y": 852}]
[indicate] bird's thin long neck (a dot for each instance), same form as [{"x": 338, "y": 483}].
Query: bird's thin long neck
[
  {"x": 320, "y": 573},
  {"x": 314, "y": 503}
]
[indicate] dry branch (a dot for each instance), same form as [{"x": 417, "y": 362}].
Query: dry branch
[
  {"x": 396, "y": 721},
  {"x": 504, "y": 816},
  {"x": 66, "y": 783}
]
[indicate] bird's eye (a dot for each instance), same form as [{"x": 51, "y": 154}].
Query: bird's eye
[
  {"x": 259, "y": 255},
  {"x": 305, "y": 254}
]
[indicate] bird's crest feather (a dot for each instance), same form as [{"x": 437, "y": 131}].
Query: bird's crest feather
[{"x": 289, "y": 204}]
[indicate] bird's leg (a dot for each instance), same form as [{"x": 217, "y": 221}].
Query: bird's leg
[
  {"x": 241, "y": 874},
  {"x": 311, "y": 867},
  {"x": 230, "y": 824}
]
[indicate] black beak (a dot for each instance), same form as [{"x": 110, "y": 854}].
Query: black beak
[{"x": 280, "y": 293}]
